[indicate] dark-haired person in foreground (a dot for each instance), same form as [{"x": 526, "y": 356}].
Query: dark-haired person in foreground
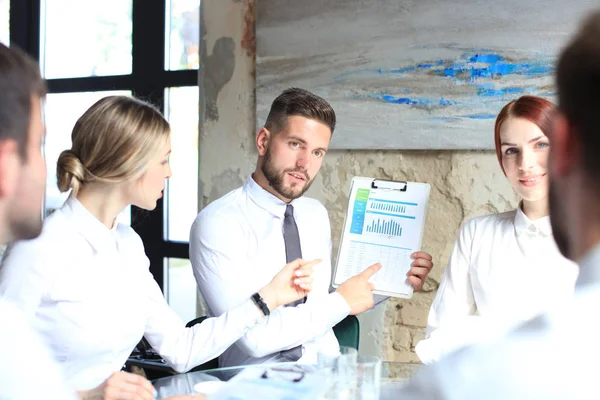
[{"x": 27, "y": 370}]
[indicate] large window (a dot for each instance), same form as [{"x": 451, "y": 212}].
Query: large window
[
  {"x": 146, "y": 48},
  {"x": 183, "y": 34},
  {"x": 96, "y": 41},
  {"x": 4, "y": 22}
]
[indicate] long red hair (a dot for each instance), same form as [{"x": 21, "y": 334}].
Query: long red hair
[{"x": 533, "y": 108}]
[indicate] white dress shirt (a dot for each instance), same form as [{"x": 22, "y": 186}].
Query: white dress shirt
[
  {"x": 237, "y": 247},
  {"x": 88, "y": 291},
  {"x": 504, "y": 269},
  {"x": 552, "y": 357},
  {"x": 27, "y": 371}
]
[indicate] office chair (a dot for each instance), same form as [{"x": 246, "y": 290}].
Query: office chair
[{"x": 347, "y": 331}]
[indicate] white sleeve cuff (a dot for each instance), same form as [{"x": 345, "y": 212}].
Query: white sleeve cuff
[{"x": 333, "y": 308}]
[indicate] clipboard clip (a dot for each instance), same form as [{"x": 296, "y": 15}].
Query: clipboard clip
[{"x": 389, "y": 185}]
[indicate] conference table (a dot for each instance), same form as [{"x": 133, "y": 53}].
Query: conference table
[{"x": 393, "y": 376}]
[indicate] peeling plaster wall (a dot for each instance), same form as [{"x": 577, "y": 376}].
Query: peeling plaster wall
[{"x": 465, "y": 184}]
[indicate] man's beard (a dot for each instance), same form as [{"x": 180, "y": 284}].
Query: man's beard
[
  {"x": 276, "y": 180},
  {"x": 557, "y": 220},
  {"x": 26, "y": 228}
]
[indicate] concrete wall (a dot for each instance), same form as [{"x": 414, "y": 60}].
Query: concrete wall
[{"x": 464, "y": 183}]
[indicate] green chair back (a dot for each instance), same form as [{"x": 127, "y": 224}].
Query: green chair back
[{"x": 347, "y": 331}]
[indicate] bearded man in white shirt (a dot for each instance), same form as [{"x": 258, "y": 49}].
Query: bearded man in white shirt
[
  {"x": 244, "y": 238},
  {"x": 555, "y": 355}
]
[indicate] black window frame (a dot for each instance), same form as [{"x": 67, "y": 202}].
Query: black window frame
[{"x": 148, "y": 80}]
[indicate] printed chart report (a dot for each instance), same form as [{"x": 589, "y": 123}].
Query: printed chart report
[{"x": 383, "y": 225}]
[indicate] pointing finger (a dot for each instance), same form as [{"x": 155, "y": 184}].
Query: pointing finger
[{"x": 369, "y": 272}]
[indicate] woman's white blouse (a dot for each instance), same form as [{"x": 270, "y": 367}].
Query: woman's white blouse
[
  {"x": 88, "y": 290},
  {"x": 504, "y": 269}
]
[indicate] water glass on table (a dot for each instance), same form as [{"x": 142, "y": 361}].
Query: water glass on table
[
  {"x": 368, "y": 378},
  {"x": 352, "y": 377},
  {"x": 340, "y": 366},
  {"x": 343, "y": 356}
]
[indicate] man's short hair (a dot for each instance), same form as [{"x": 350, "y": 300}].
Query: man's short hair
[
  {"x": 20, "y": 81},
  {"x": 578, "y": 81},
  {"x": 299, "y": 102}
]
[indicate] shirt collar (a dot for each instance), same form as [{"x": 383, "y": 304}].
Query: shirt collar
[
  {"x": 264, "y": 199},
  {"x": 589, "y": 268},
  {"x": 525, "y": 226},
  {"x": 94, "y": 231}
]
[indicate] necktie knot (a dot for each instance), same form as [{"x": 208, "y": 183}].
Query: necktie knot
[{"x": 289, "y": 211}]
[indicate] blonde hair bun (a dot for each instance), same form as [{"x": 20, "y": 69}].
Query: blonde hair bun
[{"x": 70, "y": 172}]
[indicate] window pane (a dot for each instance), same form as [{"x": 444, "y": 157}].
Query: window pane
[
  {"x": 182, "y": 34},
  {"x": 85, "y": 38},
  {"x": 5, "y": 22},
  {"x": 181, "y": 287},
  {"x": 61, "y": 112},
  {"x": 182, "y": 189}
]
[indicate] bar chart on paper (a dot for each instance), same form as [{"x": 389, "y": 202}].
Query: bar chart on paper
[
  {"x": 387, "y": 206},
  {"x": 384, "y": 217},
  {"x": 383, "y": 225}
]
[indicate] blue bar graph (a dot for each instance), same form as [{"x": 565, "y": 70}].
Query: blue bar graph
[
  {"x": 389, "y": 207},
  {"x": 385, "y": 227}
]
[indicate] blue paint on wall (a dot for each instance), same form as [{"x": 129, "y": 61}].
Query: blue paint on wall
[
  {"x": 479, "y": 65},
  {"x": 399, "y": 100},
  {"x": 462, "y": 117},
  {"x": 480, "y": 116},
  {"x": 486, "y": 58},
  {"x": 411, "y": 101},
  {"x": 470, "y": 68},
  {"x": 397, "y": 71},
  {"x": 482, "y": 70},
  {"x": 501, "y": 92},
  {"x": 485, "y": 81}
]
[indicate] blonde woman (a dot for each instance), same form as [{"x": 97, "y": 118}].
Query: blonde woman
[{"x": 85, "y": 284}]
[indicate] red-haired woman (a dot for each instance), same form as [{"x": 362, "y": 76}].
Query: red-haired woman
[{"x": 504, "y": 268}]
